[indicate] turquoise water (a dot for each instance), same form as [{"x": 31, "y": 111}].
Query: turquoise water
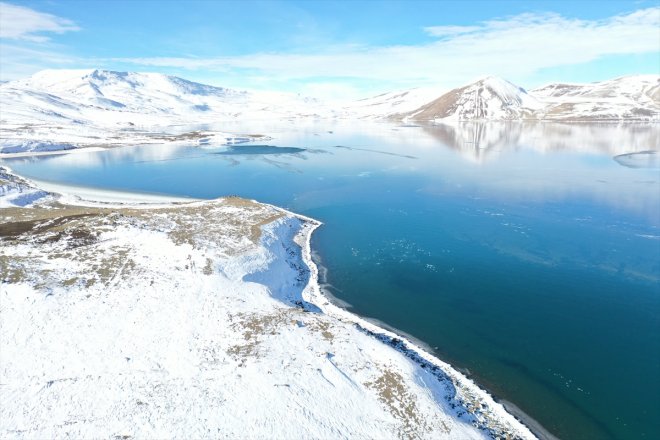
[{"x": 525, "y": 255}]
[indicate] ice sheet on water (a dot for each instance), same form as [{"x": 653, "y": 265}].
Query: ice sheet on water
[
  {"x": 241, "y": 150},
  {"x": 641, "y": 159}
]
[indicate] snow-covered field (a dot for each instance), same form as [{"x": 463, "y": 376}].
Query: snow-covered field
[{"x": 200, "y": 319}]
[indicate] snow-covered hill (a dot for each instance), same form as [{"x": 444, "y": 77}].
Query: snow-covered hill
[
  {"x": 391, "y": 105},
  {"x": 489, "y": 98},
  {"x": 626, "y": 98},
  {"x": 107, "y": 98}
]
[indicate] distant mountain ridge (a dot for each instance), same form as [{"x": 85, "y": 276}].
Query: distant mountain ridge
[
  {"x": 103, "y": 98},
  {"x": 389, "y": 105},
  {"x": 630, "y": 97},
  {"x": 626, "y": 98}
]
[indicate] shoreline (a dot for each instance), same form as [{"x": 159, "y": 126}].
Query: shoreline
[
  {"x": 87, "y": 194},
  {"x": 76, "y": 150},
  {"x": 467, "y": 391},
  {"x": 314, "y": 294},
  {"x": 528, "y": 421}
]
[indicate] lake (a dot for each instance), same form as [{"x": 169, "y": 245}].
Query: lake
[{"x": 527, "y": 255}]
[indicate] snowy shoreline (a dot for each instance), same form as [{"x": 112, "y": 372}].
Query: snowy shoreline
[
  {"x": 51, "y": 152},
  {"x": 86, "y": 195},
  {"x": 469, "y": 402},
  {"x": 314, "y": 294}
]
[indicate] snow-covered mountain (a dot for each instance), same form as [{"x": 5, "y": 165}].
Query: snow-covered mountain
[
  {"x": 101, "y": 100},
  {"x": 626, "y": 98},
  {"x": 107, "y": 98},
  {"x": 391, "y": 105},
  {"x": 489, "y": 98}
]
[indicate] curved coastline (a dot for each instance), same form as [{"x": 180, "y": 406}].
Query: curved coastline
[
  {"x": 468, "y": 393},
  {"x": 415, "y": 352},
  {"x": 88, "y": 194},
  {"x": 418, "y": 345}
]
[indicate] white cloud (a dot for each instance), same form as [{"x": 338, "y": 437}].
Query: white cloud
[
  {"x": 21, "y": 23},
  {"x": 26, "y": 60},
  {"x": 513, "y": 47},
  {"x": 443, "y": 31}
]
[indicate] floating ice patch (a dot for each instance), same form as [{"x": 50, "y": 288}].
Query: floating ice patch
[
  {"x": 242, "y": 150},
  {"x": 642, "y": 159}
]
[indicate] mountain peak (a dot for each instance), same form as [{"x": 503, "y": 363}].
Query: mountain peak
[
  {"x": 492, "y": 79},
  {"x": 490, "y": 97}
]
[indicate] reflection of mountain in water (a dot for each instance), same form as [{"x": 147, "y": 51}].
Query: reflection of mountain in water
[
  {"x": 642, "y": 159},
  {"x": 243, "y": 150},
  {"x": 479, "y": 141}
]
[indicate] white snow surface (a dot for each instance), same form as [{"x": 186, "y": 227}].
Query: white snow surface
[
  {"x": 66, "y": 109},
  {"x": 17, "y": 192},
  {"x": 176, "y": 322},
  {"x": 390, "y": 105},
  {"x": 628, "y": 97},
  {"x": 128, "y": 99}
]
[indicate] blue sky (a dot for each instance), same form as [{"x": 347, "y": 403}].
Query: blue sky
[{"x": 333, "y": 49}]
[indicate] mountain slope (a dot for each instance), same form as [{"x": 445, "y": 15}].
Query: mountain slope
[
  {"x": 101, "y": 97},
  {"x": 489, "y": 98},
  {"x": 626, "y": 98},
  {"x": 389, "y": 105},
  {"x": 637, "y": 88}
]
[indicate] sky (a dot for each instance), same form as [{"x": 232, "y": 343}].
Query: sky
[{"x": 336, "y": 49}]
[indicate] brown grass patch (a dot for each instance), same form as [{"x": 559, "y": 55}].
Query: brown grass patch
[{"x": 400, "y": 402}]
